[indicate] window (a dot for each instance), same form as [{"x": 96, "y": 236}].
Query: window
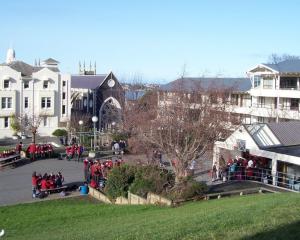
[
  {"x": 26, "y": 102},
  {"x": 260, "y": 119},
  {"x": 63, "y": 95},
  {"x": 6, "y": 122},
  {"x": 261, "y": 102},
  {"x": 26, "y": 84},
  {"x": 46, "y": 83},
  {"x": 46, "y": 102},
  {"x": 6, "y": 84},
  {"x": 45, "y": 122},
  {"x": 268, "y": 83},
  {"x": 64, "y": 83},
  {"x": 6, "y": 102},
  {"x": 256, "y": 81},
  {"x": 294, "y": 104},
  {"x": 63, "y": 109}
]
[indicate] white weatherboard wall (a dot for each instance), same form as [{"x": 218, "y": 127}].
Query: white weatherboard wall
[{"x": 52, "y": 116}]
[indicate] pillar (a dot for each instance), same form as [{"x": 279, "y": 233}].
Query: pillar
[{"x": 274, "y": 171}]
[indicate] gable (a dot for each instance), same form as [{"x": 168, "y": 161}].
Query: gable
[
  {"x": 262, "y": 69},
  {"x": 241, "y": 134}
]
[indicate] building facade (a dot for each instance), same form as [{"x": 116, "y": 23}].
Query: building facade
[
  {"x": 274, "y": 95},
  {"x": 98, "y": 95},
  {"x": 38, "y": 92}
]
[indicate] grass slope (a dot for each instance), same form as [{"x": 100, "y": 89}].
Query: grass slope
[{"x": 270, "y": 216}]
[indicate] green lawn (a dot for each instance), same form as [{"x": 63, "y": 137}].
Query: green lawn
[{"x": 270, "y": 216}]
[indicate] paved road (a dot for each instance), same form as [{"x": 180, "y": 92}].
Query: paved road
[{"x": 15, "y": 184}]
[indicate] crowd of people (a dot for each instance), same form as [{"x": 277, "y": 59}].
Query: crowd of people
[
  {"x": 96, "y": 171},
  {"x": 37, "y": 151},
  {"x": 8, "y": 153},
  {"x": 42, "y": 183},
  {"x": 241, "y": 168},
  {"x": 74, "y": 150},
  {"x": 118, "y": 146}
]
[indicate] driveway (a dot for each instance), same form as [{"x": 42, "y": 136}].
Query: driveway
[{"x": 15, "y": 184}]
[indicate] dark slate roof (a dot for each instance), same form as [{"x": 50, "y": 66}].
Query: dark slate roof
[
  {"x": 288, "y": 150},
  {"x": 288, "y": 133},
  {"x": 287, "y": 66},
  {"x": 26, "y": 69},
  {"x": 87, "y": 81},
  {"x": 51, "y": 61},
  {"x": 190, "y": 84}
]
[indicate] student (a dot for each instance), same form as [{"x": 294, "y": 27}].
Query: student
[
  {"x": 19, "y": 147},
  {"x": 44, "y": 184},
  {"x": 84, "y": 189},
  {"x": 79, "y": 152},
  {"x": 34, "y": 182},
  {"x": 31, "y": 150}
]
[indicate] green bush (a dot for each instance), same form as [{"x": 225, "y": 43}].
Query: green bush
[
  {"x": 119, "y": 180},
  {"x": 119, "y": 136},
  {"x": 150, "y": 179},
  {"x": 60, "y": 133},
  {"x": 187, "y": 188}
]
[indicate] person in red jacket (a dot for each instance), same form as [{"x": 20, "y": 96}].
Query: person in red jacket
[
  {"x": 31, "y": 150},
  {"x": 44, "y": 184},
  {"x": 34, "y": 183}
]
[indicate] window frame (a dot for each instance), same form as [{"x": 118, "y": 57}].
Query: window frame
[
  {"x": 46, "y": 102},
  {"x": 6, "y": 103},
  {"x": 6, "y": 84},
  {"x": 26, "y": 102},
  {"x": 6, "y": 122},
  {"x": 46, "y": 84}
]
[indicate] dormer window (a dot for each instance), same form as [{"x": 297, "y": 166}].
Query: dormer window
[
  {"x": 6, "y": 84},
  {"x": 46, "y": 84},
  {"x": 26, "y": 84}
]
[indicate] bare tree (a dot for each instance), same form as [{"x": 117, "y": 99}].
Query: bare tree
[
  {"x": 184, "y": 125},
  {"x": 30, "y": 123},
  {"x": 276, "y": 58}
]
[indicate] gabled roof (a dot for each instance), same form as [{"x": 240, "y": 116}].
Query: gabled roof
[
  {"x": 190, "y": 84},
  {"x": 275, "y": 135},
  {"x": 25, "y": 69},
  {"x": 87, "y": 81},
  {"x": 287, "y": 66},
  {"x": 50, "y": 61},
  {"x": 288, "y": 133}
]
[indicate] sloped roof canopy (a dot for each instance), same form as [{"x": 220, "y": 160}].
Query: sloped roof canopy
[
  {"x": 287, "y": 66},
  {"x": 87, "y": 81},
  {"x": 190, "y": 84},
  {"x": 25, "y": 69}
]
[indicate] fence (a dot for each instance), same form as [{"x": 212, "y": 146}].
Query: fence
[{"x": 285, "y": 180}]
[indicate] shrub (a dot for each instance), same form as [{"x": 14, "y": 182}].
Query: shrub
[
  {"x": 150, "y": 179},
  {"x": 60, "y": 133},
  {"x": 119, "y": 136},
  {"x": 187, "y": 188},
  {"x": 119, "y": 180}
]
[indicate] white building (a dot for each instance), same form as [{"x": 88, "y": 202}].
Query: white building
[
  {"x": 278, "y": 144},
  {"x": 274, "y": 95},
  {"x": 39, "y": 90}
]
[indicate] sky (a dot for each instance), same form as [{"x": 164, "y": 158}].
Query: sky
[{"x": 153, "y": 40}]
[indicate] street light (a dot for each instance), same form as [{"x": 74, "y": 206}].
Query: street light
[
  {"x": 94, "y": 120},
  {"x": 80, "y": 124}
]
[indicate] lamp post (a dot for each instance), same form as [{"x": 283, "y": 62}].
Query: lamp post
[
  {"x": 113, "y": 126},
  {"x": 80, "y": 124},
  {"x": 94, "y": 120}
]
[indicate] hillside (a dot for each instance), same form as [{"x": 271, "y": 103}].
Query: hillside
[{"x": 269, "y": 216}]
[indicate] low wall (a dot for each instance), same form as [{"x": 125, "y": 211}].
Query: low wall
[
  {"x": 135, "y": 199},
  {"x": 157, "y": 199},
  {"x": 121, "y": 200},
  {"x": 132, "y": 198},
  {"x": 99, "y": 195}
]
